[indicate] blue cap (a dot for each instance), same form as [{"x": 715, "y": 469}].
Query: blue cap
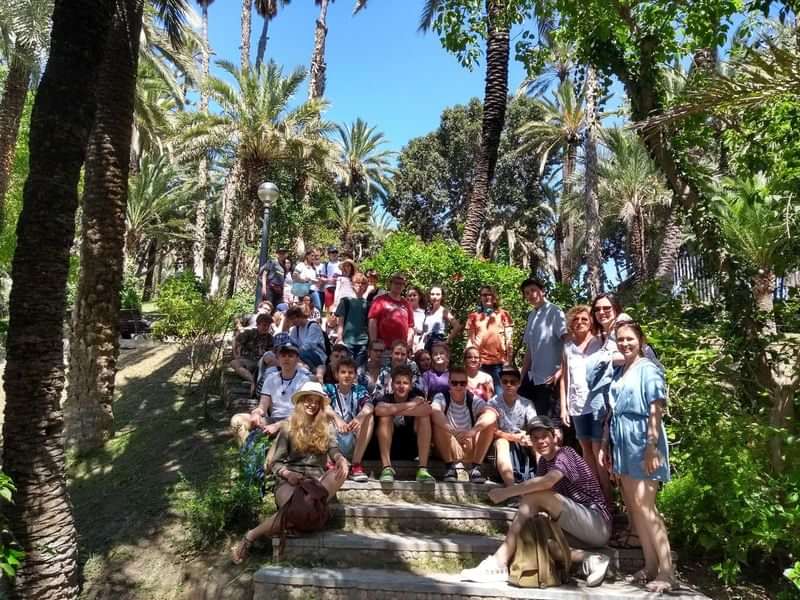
[{"x": 287, "y": 346}]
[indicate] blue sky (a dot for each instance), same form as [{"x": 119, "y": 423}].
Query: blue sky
[{"x": 379, "y": 67}]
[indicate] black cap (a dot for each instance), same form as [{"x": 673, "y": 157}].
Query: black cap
[
  {"x": 542, "y": 422},
  {"x": 333, "y": 249},
  {"x": 288, "y": 346},
  {"x": 282, "y": 251},
  {"x": 511, "y": 370}
]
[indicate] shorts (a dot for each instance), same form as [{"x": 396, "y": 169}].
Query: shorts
[
  {"x": 404, "y": 441},
  {"x": 587, "y": 525},
  {"x": 589, "y": 427},
  {"x": 522, "y": 463},
  {"x": 347, "y": 443}
]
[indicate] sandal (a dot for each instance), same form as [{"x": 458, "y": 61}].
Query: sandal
[
  {"x": 639, "y": 578},
  {"x": 241, "y": 551}
]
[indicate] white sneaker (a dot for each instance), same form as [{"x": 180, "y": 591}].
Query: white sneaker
[
  {"x": 594, "y": 567},
  {"x": 486, "y": 572}
]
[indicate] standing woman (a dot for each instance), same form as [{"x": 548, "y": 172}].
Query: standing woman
[
  {"x": 304, "y": 443},
  {"x": 437, "y": 319},
  {"x": 490, "y": 330},
  {"x": 479, "y": 383},
  {"x": 416, "y": 299},
  {"x": 600, "y": 365},
  {"x": 639, "y": 456},
  {"x": 305, "y": 278},
  {"x": 288, "y": 269},
  {"x": 574, "y": 390},
  {"x": 344, "y": 283}
]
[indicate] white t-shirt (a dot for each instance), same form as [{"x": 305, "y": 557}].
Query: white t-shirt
[
  {"x": 280, "y": 390},
  {"x": 458, "y": 414},
  {"x": 305, "y": 273},
  {"x": 515, "y": 418},
  {"x": 329, "y": 269},
  {"x": 576, "y": 382}
]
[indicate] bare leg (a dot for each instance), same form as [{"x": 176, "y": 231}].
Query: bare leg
[
  {"x": 482, "y": 443},
  {"x": 444, "y": 440},
  {"x": 651, "y": 528},
  {"x": 241, "y": 426},
  {"x": 242, "y": 371},
  {"x": 364, "y": 436},
  {"x": 530, "y": 505},
  {"x": 282, "y": 495},
  {"x": 504, "y": 467},
  {"x": 635, "y": 497},
  {"x": 385, "y": 433},
  {"x": 422, "y": 425},
  {"x": 332, "y": 481},
  {"x": 602, "y": 474}
]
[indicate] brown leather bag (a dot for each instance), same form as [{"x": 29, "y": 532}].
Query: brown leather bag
[{"x": 306, "y": 511}]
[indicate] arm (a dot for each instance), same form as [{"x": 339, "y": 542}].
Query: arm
[
  {"x": 652, "y": 456},
  {"x": 486, "y": 419},
  {"x": 508, "y": 332},
  {"x": 562, "y": 391},
  {"x": 372, "y": 329},
  {"x": 526, "y": 362},
  {"x": 438, "y": 418},
  {"x": 264, "y": 287},
  {"x": 455, "y": 327},
  {"x": 410, "y": 337},
  {"x": 537, "y": 484}
]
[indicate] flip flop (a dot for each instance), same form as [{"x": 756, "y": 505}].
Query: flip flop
[{"x": 638, "y": 578}]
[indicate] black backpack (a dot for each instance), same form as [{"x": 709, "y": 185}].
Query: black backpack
[{"x": 469, "y": 399}]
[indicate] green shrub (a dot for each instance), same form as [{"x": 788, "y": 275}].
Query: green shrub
[
  {"x": 130, "y": 298},
  {"x": 179, "y": 300},
  {"x": 11, "y": 554}
]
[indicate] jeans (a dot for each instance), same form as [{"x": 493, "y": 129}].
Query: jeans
[
  {"x": 494, "y": 370},
  {"x": 311, "y": 358},
  {"x": 316, "y": 299}
]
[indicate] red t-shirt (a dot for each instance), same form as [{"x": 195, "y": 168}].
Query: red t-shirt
[{"x": 394, "y": 318}]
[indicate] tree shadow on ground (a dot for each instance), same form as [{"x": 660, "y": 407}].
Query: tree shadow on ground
[{"x": 123, "y": 493}]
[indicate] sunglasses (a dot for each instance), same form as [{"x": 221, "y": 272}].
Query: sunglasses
[
  {"x": 603, "y": 308},
  {"x": 509, "y": 382},
  {"x": 458, "y": 383}
]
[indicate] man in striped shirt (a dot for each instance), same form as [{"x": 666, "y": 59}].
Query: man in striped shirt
[{"x": 565, "y": 488}]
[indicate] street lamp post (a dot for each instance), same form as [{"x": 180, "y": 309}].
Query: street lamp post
[{"x": 268, "y": 194}]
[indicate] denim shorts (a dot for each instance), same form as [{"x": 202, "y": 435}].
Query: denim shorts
[{"x": 589, "y": 427}]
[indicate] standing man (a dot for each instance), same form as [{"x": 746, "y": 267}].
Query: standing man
[
  {"x": 352, "y": 320},
  {"x": 544, "y": 342},
  {"x": 390, "y": 316},
  {"x": 271, "y": 276},
  {"x": 328, "y": 272}
]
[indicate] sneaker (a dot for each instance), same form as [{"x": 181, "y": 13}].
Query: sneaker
[
  {"x": 423, "y": 476},
  {"x": 387, "y": 475},
  {"x": 486, "y": 572},
  {"x": 475, "y": 475},
  {"x": 357, "y": 473},
  {"x": 450, "y": 474},
  {"x": 594, "y": 567}
]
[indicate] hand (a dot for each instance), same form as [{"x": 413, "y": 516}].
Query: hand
[
  {"x": 462, "y": 437},
  {"x": 341, "y": 425},
  {"x": 256, "y": 419},
  {"x": 354, "y": 425},
  {"x": 652, "y": 459},
  {"x": 604, "y": 457},
  {"x": 524, "y": 440},
  {"x": 271, "y": 429},
  {"x": 342, "y": 467},
  {"x": 293, "y": 477},
  {"x": 497, "y": 495},
  {"x": 565, "y": 417}
]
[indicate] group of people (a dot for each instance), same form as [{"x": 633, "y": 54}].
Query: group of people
[{"x": 372, "y": 372}]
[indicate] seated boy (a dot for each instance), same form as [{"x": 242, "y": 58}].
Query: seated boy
[
  {"x": 435, "y": 380},
  {"x": 351, "y": 412},
  {"x": 463, "y": 428},
  {"x": 248, "y": 348},
  {"x": 514, "y": 413},
  {"x": 338, "y": 352},
  {"x": 275, "y": 404},
  {"x": 404, "y": 426},
  {"x": 307, "y": 336},
  {"x": 567, "y": 490}
]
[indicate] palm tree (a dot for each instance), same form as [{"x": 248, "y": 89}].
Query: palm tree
[
  {"x": 33, "y": 444},
  {"x": 26, "y": 26},
  {"x": 350, "y": 218},
  {"x": 495, "y": 99},
  {"x": 560, "y": 128},
  {"x": 199, "y": 244},
  {"x": 247, "y": 31},
  {"x": 256, "y": 126},
  {"x": 316, "y": 82},
  {"x": 631, "y": 190},
  {"x": 594, "y": 251},
  {"x": 268, "y": 10},
  {"x": 364, "y": 165},
  {"x": 381, "y": 224}
]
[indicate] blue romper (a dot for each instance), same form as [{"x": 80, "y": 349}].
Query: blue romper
[{"x": 630, "y": 399}]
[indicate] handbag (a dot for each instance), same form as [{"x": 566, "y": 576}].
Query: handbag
[
  {"x": 301, "y": 289},
  {"x": 542, "y": 557}
]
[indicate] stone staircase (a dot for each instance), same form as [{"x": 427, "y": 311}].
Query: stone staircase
[{"x": 410, "y": 540}]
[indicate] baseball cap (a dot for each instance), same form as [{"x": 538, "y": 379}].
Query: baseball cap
[
  {"x": 511, "y": 370},
  {"x": 288, "y": 346},
  {"x": 541, "y": 422}
]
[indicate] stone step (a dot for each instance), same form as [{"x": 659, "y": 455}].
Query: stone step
[
  {"x": 281, "y": 583},
  {"x": 428, "y": 517},
  {"x": 417, "y": 551},
  {"x": 374, "y": 492},
  {"x": 407, "y": 469}
]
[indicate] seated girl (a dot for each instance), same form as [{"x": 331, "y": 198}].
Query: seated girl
[
  {"x": 436, "y": 380},
  {"x": 303, "y": 444}
]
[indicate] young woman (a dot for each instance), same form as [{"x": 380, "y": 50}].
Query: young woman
[
  {"x": 490, "y": 330},
  {"x": 309, "y": 310},
  {"x": 437, "y": 319},
  {"x": 437, "y": 379},
  {"x": 344, "y": 283},
  {"x": 303, "y": 444},
  {"x": 305, "y": 278},
  {"x": 416, "y": 299},
  {"x": 288, "y": 269},
  {"x": 640, "y": 456},
  {"x": 479, "y": 383},
  {"x": 600, "y": 364},
  {"x": 423, "y": 360},
  {"x": 574, "y": 390}
]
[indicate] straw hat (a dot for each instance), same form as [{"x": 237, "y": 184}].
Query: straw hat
[{"x": 310, "y": 388}]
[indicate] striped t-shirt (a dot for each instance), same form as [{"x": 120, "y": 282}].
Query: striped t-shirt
[
  {"x": 578, "y": 483},
  {"x": 458, "y": 414}
]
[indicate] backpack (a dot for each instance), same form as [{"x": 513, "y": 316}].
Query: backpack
[
  {"x": 468, "y": 400},
  {"x": 306, "y": 511},
  {"x": 542, "y": 558}
]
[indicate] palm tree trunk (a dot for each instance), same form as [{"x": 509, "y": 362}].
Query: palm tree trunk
[
  {"x": 199, "y": 242},
  {"x": 11, "y": 107},
  {"x": 494, "y": 116},
  {"x": 229, "y": 197},
  {"x": 150, "y": 268},
  {"x": 316, "y": 82},
  {"x": 670, "y": 248},
  {"x": 33, "y": 433},
  {"x": 247, "y": 31},
  {"x": 94, "y": 346},
  {"x": 565, "y": 221},
  {"x": 594, "y": 251},
  {"x": 637, "y": 248},
  {"x": 261, "y": 50}
]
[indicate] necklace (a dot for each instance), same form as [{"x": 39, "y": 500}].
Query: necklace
[{"x": 286, "y": 383}]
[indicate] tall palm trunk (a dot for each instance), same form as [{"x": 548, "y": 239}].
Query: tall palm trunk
[
  {"x": 316, "y": 82},
  {"x": 199, "y": 242},
  {"x": 494, "y": 116},
  {"x": 94, "y": 347},
  {"x": 33, "y": 433},
  {"x": 230, "y": 195},
  {"x": 637, "y": 245},
  {"x": 594, "y": 252},
  {"x": 261, "y": 49},
  {"x": 11, "y": 107},
  {"x": 247, "y": 31},
  {"x": 566, "y": 227}
]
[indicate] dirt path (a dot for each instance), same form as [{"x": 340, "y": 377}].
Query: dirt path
[{"x": 131, "y": 539}]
